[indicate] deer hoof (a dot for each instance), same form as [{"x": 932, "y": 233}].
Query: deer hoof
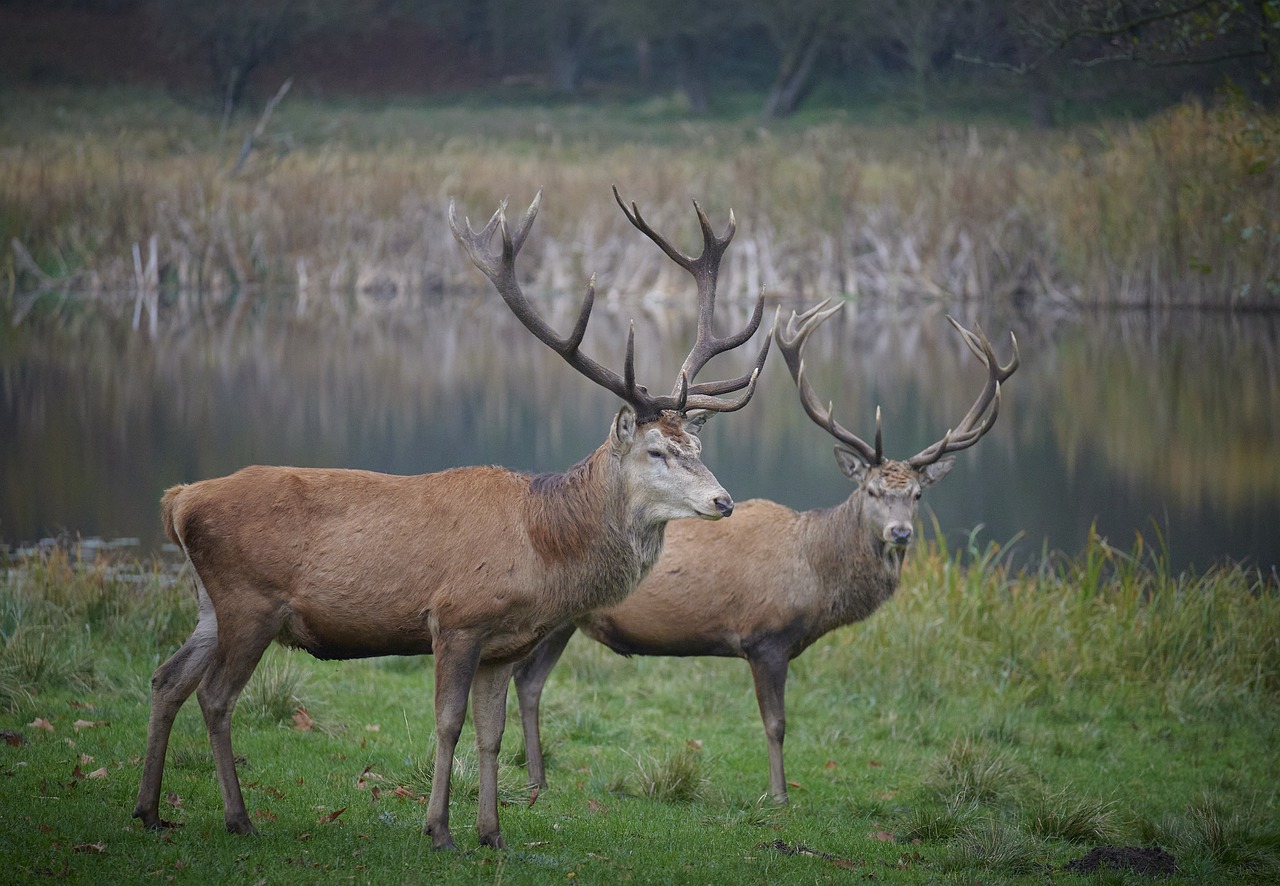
[{"x": 493, "y": 841}]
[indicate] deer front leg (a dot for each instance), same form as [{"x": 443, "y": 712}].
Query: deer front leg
[
  {"x": 456, "y": 662},
  {"x": 489, "y": 711},
  {"x": 530, "y": 678},
  {"x": 769, "y": 671}
]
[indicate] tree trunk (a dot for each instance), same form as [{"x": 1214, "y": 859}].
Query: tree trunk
[
  {"x": 793, "y": 80},
  {"x": 691, "y": 72}
]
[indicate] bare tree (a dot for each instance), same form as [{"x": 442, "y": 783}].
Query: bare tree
[{"x": 1157, "y": 33}]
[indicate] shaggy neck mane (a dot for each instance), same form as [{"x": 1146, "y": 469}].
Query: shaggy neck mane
[
  {"x": 860, "y": 562},
  {"x": 568, "y": 510}
]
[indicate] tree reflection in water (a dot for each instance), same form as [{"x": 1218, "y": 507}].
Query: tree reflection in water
[{"x": 1138, "y": 422}]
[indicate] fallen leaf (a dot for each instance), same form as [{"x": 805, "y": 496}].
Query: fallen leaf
[
  {"x": 830, "y": 764},
  {"x": 533, "y": 795},
  {"x": 302, "y": 720},
  {"x": 332, "y": 816},
  {"x": 883, "y": 836},
  {"x": 98, "y": 773},
  {"x": 89, "y": 847},
  {"x": 12, "y": 738},
  {"x": 173, "y": 800},
  {"x": 85, "y": 759},
  {"x": 88, "y": 724},
  {"x": 695, "y": 743},
  {"x": 404, "y": 793},
  {"x": 374, "y": 793},
  {"x": 264, "y": 814},
  {"x": 794, "y": 784},
  {"x": 875, "y": 764},
  {"x": 41, "y": 723},
  {"x": 597, "y": 807},
  {"x": 372, "y": 727}
]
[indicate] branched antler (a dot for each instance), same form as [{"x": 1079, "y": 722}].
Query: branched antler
[
  {"x": 976, "y": 422},
  {"x": 499, "y": 266}
]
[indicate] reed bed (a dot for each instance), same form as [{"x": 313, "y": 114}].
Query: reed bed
[{"x": 117, "y": 200}]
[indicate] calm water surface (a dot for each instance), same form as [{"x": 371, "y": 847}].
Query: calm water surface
[{"x": 1164, "y": 425}]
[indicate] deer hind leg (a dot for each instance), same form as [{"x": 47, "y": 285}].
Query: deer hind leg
[
  {"x": 489, "y": 711},
  {"x": 769, "y": 671},
  {"x": 530, "y": 678},
  {"x": 244, "y": 639},
  {"x": 171, "y": 685},
  {"x": 456, "y": 663}
]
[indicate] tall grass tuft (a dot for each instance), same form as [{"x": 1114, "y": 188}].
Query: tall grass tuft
[
  {"x": 1064, "y": 816},
  {"x": 276, "y": 690},
  {"x": 971, "y": 772},
  {"x": 674, "y": 778},
  {"x": 1226, "y": 843}
]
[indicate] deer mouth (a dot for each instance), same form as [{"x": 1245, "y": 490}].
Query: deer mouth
[{"x": 723, "y": 508}]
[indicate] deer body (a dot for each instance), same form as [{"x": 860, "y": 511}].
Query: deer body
[
  {"x": 706, "y": 598},
  {"x": 767, "y": 585},
  {"x": 473, "y": 565}
]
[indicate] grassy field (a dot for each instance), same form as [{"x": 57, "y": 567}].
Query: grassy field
[
  {"x": 985, "y": 726},
  {"x": 115, "y": 192}
]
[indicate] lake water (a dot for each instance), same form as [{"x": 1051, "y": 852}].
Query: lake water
[{"x": 1167, "y": 425}]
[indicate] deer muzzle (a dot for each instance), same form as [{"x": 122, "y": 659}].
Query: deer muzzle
[{"x": 898, "y": 534}]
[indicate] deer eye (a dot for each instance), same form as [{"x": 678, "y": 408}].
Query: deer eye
[
  {"x": 658, "y": 454},
  {"x": 873, "y": 492}
]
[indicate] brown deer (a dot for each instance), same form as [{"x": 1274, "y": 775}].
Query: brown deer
[
  {"x": 473, "y": 565},
  {"x": 769, "y": 583}
]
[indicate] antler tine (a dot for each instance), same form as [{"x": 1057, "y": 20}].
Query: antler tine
[
  {"x": 791, "y": 342},
  {"x": 970, "y": 430},
  {"x": 499, "y": 267},
  {"x": 705, "y": 270}
]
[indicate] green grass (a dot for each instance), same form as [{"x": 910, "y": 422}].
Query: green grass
[{"x": 986, "y": 725}]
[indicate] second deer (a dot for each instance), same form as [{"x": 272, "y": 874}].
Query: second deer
[{"x": 716, "y": 592}]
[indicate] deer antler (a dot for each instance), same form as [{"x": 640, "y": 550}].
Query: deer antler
[
  {"x": 973, "y": 425},
  {"x": 791, "y": 344},
  {"x": 705, "y": 270},
  {"x": 499, "y": 267}
]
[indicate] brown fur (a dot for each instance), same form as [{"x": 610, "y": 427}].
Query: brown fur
[
  {"x": 473, "y": 564},
  {"x": 763, "y": 587}
]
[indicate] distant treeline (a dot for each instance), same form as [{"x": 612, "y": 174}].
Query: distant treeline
[{"x": 715, "y": 55}]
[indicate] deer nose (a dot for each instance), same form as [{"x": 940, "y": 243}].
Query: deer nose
[
  {"x": 724, "y": 504},
  {"x": 900, "y": 534}
]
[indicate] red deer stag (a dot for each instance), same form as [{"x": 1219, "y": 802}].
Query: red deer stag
[
  {"x": 473, "y": 565},
  {"x": 768, "y": 584}
]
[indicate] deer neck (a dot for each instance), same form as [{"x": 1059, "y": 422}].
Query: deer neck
[
  {"x": 859, "y": 572},
  {"x": 586, "y": 531}
]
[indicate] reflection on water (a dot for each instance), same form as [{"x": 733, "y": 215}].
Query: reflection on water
[{"x": 1138, "y": 423}]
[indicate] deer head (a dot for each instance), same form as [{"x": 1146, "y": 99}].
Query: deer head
[
  {"x": 654, "y": 435},
  {"x": 890, "y": 490}
]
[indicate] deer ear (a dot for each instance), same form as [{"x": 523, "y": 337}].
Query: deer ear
[
  {"x": 936, "y": 471},
  {"x": 623, "y": 433},
  {"x": 694, "y": 419},
  {"x": 851, "y": 463}
]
